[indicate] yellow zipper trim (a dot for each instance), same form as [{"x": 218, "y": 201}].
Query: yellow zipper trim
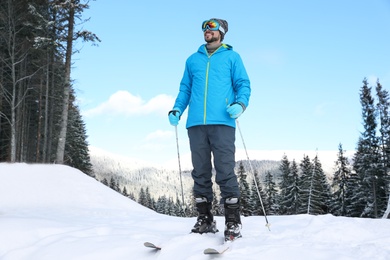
[
  {"x": 207, "y": 82},
  {"x": 205, "y": 92}
]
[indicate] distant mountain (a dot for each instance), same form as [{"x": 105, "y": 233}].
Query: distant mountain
[{"x": 134, "y": 174}]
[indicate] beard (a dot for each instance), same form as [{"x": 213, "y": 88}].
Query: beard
[{"x": 212, "y": 39}]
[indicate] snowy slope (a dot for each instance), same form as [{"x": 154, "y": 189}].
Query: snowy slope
[{"x": 56, "y": 212}]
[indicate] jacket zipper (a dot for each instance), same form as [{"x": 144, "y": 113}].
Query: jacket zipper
[
  {"x": 207, "y": 83},
  {"x": 205, "y": 91}
]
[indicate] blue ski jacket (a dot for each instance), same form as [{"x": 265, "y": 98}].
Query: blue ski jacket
[{"x": 210, "y": 83}]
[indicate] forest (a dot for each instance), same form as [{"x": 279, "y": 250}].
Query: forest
[{"x": 40, "y": 122}]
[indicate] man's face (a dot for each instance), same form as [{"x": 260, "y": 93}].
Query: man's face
[{"x": 211, "y": 36}]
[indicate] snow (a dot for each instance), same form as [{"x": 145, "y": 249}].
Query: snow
[{"x": 57, "y": 212}]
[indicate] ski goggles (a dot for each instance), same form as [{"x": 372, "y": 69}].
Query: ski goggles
[{"x": 212, "y": 25}]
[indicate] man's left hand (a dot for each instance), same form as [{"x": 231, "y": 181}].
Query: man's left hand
[{"x": 235, "y": 110}]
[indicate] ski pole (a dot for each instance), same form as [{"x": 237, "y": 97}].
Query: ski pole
[
  {"x": 254, "y": 177},
  {"x": 178, "y": 158}
]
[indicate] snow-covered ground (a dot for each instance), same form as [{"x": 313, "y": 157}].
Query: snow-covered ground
[{"x": 57, "y": 212}]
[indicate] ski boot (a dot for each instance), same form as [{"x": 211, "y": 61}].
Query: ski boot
[
  {"x": 232, "y": 219},
  {"x": 205, "y": 222}
]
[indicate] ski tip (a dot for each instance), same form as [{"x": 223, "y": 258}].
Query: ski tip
[
  {"x": 151, "y": 245},
  {"x": 212, "y": 251}
]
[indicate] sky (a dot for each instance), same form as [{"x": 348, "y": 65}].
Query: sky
[
  {"x": 64, "y": 214},
  {"x": 306, "y": 61}
]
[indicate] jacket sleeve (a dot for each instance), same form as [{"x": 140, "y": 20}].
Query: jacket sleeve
[
  {"x": 183, "y": 98},
  {"x": 241, "y": 83}
]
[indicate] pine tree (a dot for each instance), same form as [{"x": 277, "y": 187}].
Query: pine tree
[
  {"x": 179, "y": 208},
  {"x": 384, "y": 130},
  {"x": 160, "y": 205},
  {"x": 244, "y": 191},
  {"x": 292, "y": 199},
  {"x": 142, "y": 197},
  {"x": 271, "y": 197},
  {"x": 76, "y": 147},
  {"x": 314, "y": 188},
  {"x": 124, "y": 192},
  {"x": 305, "y": 184},
  {"x": 289, "y": 190},
  {"x": 367, "y": 159},
  {"x": 355, "y": 197},
  {"x": 339, "y": 184},
  {"x": 256, "y": 189},
  {"x": 171, "y": 208},
  {"x": 132, "y": 196},
  {"x": 105, "y": 182},
  {"x": 284, "y": 184},
  {"x": 384, "y": 119},
  {"x": 321, "y": 195},
  {"x": 148, "y": 199},
  {"x": 114, "y": 185}
]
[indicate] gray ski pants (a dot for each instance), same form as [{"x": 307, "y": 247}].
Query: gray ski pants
[{"x": 217, "y": 140}]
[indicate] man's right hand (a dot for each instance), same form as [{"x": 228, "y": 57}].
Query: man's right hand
[{"x": 174, "y": 117}]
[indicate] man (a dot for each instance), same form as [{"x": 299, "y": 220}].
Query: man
[{"x": 216, "y": 89}]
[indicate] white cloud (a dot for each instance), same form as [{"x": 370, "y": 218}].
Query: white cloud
[
  {"x": 124, "y": 103},
  {"x": 159, "y": 135},
  {"x": 161, "y": 104}
]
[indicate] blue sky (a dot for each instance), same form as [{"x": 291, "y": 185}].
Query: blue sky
[{"x": 306, "y": 61}]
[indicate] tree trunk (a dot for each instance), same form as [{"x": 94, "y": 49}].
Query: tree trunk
[
  {"x": 46, "y": 112},
  {"x": 67, "y": 85},
  {"x": 13, "y": 109}
]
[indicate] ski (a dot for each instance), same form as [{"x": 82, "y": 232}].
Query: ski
[
  {"x": 213, "y": 251},
  {"x": 222, "y": 249},
  {"x": 151, "y": 245}
]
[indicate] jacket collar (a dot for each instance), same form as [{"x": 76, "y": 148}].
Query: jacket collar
[{"x": 223, "y": 47}]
